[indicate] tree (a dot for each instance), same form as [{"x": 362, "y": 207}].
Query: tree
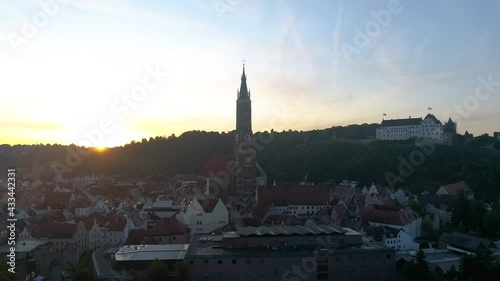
[
  {"x": 182, "y": 271},
  {"x": 424, "y": 245},
  {"x": 480, "y": 266},
  {"x": 452, "y": 274},
  {"x": 427, "y": 226},
  {"x": 462, "y": 228},
  {"x": 417, "y": 269},
  {"x": 79, "y": 272},
  {"x": 491, "y": 223},
  {"x": 158, "y": 271}
]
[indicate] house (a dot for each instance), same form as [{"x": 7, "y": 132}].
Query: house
[
  {"x": 54, "y": 201},
  {"x": 100, "y": 207},
  {"x": 81, "y": 207},
  {"x": 393, "y": 216},
  {"x": 394, "y": 238},
  {"x": 301, "y": 200},
  {"x": 61, "y": 235},
  {"x": 464, "y": 243},
  {"x": 115, "y": 229},
  {"x": 204, "y": 215},
  {"x": 440, "y": 206},
  {"x": 455, "y": 189},
  {"x": 165, "y": 231},
  {"x": 162, "y": 207}
]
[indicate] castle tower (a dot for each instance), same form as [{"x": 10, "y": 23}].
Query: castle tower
[{"x": 244, "y": 152}]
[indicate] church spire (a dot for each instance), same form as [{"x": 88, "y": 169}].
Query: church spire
[{"x": 243, "y": 93}]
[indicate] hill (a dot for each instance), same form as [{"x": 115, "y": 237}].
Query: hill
[{"x": 337, "y": 153}]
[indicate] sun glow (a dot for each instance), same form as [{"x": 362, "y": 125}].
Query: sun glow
[{"x": 100, "y": 148}]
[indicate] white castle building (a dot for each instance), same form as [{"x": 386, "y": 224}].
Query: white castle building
[{"x": 402, "y": 129}]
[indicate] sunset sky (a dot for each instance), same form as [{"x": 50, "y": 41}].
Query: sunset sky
[{"x": 67, "y": 70}]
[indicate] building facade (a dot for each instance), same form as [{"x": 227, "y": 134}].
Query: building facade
[
  {"x": 403, "y": 129},
  {"x": 310, "y": 252},
  {"x": 205, "y": 216},
  {"x": 244, "y": 151}
]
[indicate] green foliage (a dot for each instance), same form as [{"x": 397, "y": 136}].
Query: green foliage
[
  {"x": 81, "y": 271},
  {"x": 158, "y": 271},
  {"x": 427, "y": 226},
  {"x": 491, "y": 223},
  {"x": 480, "y": 266},
  {"x": 182, "y": 271},
  {"x": 285, "y": 157},
  {"x": 417, "y": 269},
  {"x": 424, "y": 245},
  {"x": 462, "y": 228}
]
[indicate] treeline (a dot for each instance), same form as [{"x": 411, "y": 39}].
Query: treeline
[{"x": 337, "y": 154}]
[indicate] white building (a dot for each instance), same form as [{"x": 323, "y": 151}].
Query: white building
[
  {"x": 399, "y": 240},
  {"x": 115, "y": 230},
  {"x": 402, "y": 129},
  {"x": 204, "y": 216}
]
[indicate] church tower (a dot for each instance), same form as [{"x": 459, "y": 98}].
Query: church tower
[{"x": 244, "y": 152}]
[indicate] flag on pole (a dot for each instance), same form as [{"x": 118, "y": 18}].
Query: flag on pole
[
  {"x": 385, "y": 114},
  {"x": 429, "y": 108}
]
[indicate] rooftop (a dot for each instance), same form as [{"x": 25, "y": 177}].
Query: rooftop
[{"x": 151, "y": 252}]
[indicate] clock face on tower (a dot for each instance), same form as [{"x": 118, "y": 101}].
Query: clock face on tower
[
  {"x": 247, "y": 137},
  {"x": 237, "y": 137}
]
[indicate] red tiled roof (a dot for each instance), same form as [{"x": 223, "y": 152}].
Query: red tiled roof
[
  {"x": 388, "y": 215},
  {"x": 168, "y": 226},
  {"x": 135, "y": 236},
  {"x": 216, "y": 164},
  {"x": 295, "y": 195},
  {"x": 115, "y": 222},
  {"x": 457, "y": 188},
  {"x": 55, "y": 230},
  {"x": 56, "y": 200}
]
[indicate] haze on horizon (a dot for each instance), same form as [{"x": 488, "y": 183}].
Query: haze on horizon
[{"x": 74, "y": 67}]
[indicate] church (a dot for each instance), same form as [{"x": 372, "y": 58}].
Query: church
[
  {"x": 247, "y": 172},
  {"x": 238, "y": 174}
]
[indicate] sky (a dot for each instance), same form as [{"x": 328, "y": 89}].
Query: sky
[{"x": 106, "y": 72}]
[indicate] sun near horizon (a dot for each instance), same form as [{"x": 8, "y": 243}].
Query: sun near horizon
[{"x": 141, "y": 70}]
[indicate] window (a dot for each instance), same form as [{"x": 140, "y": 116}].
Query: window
[
  {"x": 205, "y": 262},
  {"x": 191, "y": 262},
  {"x": 220, "y": 261},
  {"x": 234, "y": 261},
  {"x": 172, "y": 238}
]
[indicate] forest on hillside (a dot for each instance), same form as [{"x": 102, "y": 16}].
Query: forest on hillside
[{"x": 333, "y": 154}]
